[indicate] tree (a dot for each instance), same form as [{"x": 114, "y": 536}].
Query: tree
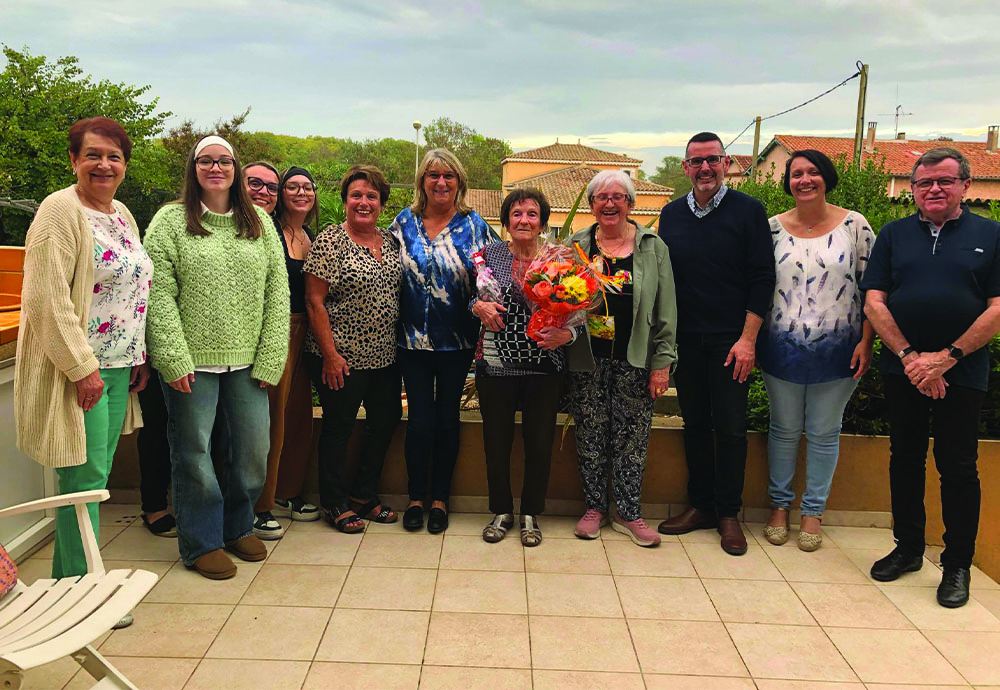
[
  {"x": 480, "y": 155},
  {"x": 671, "y": 174},
  {"x": 39, "y": 101}
]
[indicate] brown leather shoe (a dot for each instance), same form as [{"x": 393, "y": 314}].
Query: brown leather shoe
[
  {"x": 734, "y": 542},
  {"x": 215, "y": 565},
  {"x": 249, "y": 548},
  {"x": 688, "y": 521}
]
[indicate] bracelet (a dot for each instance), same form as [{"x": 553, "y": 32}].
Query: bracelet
[{"x": 905, "y": 351}]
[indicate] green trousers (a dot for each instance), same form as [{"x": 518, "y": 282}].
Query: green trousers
[{"x": 103, "y": 426}]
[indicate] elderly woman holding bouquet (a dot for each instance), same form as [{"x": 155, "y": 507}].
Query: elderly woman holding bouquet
[
  {"x": 618, "y": 372},
  {"x": 514, "y": 371}
]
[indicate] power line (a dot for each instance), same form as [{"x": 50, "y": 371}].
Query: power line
[{"x": 804, "y": 103}]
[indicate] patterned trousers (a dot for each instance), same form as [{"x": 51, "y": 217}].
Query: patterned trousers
[{"x": 613, "y": 411}]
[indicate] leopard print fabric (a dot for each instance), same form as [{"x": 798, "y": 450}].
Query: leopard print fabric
[{"x": 363, "y": 299}]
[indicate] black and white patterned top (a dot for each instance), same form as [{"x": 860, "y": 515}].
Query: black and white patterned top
[
  {"x": 509, "y": 351},
  {"x": 363, "y": 299}
]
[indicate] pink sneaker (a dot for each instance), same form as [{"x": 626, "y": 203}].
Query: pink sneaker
[
  {"x": 589, "y": 526},
  {"x": 636, "y": 530}
]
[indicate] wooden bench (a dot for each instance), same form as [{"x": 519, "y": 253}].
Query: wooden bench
[{"x": 50, "y": 619}]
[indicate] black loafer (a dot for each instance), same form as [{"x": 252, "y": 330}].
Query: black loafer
[
  {"x": 165, "y": 526},
  {"x": 437, "y": 521},
  {"x": 953, "y": 591},
  {"x": 413, "y": 518},
  {"x": 895, "y": 564}
]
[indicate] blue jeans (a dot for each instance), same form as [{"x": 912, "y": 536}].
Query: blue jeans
[
  {"x": 819, "y": 409},
  {"x": 214, "y": 505}
]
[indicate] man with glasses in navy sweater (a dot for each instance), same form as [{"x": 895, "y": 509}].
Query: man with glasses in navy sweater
[
  {"x": 721, "y": 251},
  {"x": 933, "y": 295}
]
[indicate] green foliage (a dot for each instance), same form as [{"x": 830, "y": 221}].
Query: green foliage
[
  {"x": 39, "y": 101},
  {"x": 480, "y": 155},
  {"x": 567, "y": 226},
  {"x": 671, "y": 174}
]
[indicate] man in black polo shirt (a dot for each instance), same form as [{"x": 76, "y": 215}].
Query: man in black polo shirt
[
  {"x": 720, "y": 248},
  {"x": 933, "y": 295}
]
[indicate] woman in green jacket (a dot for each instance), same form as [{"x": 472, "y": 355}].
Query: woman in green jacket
[{"x": 618, "y": 372}]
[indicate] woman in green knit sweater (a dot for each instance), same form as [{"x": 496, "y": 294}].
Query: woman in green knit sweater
[{"x": 218, "y": 335}]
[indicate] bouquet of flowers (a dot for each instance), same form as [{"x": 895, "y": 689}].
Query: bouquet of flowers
[
  {"x": 486, "y": 285},
  {"x": 560, "y": 286}
]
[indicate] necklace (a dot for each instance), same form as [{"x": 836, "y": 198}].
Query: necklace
[{"x": 616, "y": 253}]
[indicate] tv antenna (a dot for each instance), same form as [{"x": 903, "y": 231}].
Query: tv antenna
[{"x": 898, "y": 114}]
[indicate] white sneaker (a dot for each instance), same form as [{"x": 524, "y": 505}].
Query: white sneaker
[
  {"x": 266, "y": 527},
  {"x": 296, "y": 508}
]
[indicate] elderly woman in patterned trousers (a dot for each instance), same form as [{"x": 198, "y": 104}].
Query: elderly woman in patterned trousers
[{"x": 618, "y": 372}]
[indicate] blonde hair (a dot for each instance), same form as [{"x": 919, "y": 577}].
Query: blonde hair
[{"x": 446, "y": 159}]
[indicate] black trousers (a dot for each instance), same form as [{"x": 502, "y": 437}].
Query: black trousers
[
  {"x": 537, "y": 396},
  {"x": 954, "y": 422},
  {"x": 714, "y": 408},
  {"x": 379, "y": 390},
  {"x": 153, "y": 449}
]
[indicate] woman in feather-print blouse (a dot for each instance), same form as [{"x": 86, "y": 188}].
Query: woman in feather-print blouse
[{"x": 816, "y": 344}]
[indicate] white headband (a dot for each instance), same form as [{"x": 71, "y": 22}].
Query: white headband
[{"x": 209, "y": 141}]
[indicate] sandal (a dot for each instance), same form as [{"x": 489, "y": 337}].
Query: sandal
[
  {"x": 497, "y": 530},
  {"x": 809, "y": 541},
  {"x": 367, "y": 511},
  {"x": 348, "y": 524},
  {"x": 531, "y": 535}
]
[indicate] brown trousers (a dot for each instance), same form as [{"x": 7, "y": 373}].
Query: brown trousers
[{"x": 291, "y": 424}]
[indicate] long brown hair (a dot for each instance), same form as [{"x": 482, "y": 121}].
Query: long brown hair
[
  {"x": 244, "y": 213},
  {"x": 311, "y": 220}
]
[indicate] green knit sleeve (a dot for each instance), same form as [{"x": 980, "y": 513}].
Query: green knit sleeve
[
  {"x": 165, "y": 341},
  {"x": 272, "y": 348}
]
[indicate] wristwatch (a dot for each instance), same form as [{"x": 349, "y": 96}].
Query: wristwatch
[
  {"x": 955, "y": 352},
  {"x": 905, "y": 351}
]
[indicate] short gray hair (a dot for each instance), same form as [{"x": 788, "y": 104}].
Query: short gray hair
[
  {"x": 606, "y": 178},
  {"x": 941, "y": 154}
]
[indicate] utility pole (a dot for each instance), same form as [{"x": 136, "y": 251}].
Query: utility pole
[
  {"x": 756, "y": 145},
  {"x": 858, "y": 127}
]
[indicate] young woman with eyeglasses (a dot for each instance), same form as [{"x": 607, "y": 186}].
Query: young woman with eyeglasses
[
  {"x": 262, "y": 184},
  {"x": 218, "y": 335},
  {"x": 291, "y": 400}
]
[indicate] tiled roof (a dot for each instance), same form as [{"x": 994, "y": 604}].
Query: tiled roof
[
  {"x": 486, "y": 202},
  {"x": 571, "y": 153},
  {"x": 743, "y": 162},
  {"x": 561, "y": 187},
  {"x": 900, "y": 154}
]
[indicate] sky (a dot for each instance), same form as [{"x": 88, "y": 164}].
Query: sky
[{"x": 632, "y": 77}]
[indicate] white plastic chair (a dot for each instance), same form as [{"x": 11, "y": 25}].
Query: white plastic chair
[{"x": 50, "y": 619}]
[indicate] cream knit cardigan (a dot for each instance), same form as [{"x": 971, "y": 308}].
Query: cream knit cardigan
[{"x": 52, "y": 347}]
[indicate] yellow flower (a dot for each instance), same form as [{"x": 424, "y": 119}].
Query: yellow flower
[{"x": 576, "y": 288}]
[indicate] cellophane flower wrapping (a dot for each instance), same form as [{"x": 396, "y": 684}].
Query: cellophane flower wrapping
[
  {"x": 486, "y": 285},
  {"x": 560, "y": 287}
]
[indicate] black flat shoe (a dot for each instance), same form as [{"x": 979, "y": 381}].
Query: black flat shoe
[
  {"x": 895, "y": 564},
  {"x": 953, "y": 591},
  {"x": 413, "y": 518},
  {"x": 165, "y": 526},
  {"x": 437, "y": 521}
]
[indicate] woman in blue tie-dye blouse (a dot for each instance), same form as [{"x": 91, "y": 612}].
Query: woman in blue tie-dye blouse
[
  {"x": 438, "y": 234},
  {"x": 815, "y": 343}
]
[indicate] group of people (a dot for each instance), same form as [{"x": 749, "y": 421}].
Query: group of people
[{"x": 242, "y": 305}]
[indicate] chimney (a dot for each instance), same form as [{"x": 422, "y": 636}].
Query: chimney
[
  {"x": 991, "y": 138},
  {"x": 901, "y": 136},
  {"x": 870, "y": 138}
]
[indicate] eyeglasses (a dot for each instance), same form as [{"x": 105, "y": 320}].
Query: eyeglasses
[
  {"x": 206, "y": 163},
  {"x": 617, "y": 197},
  {"x": 945, "y": 183},
  {"x": 295, "y": 187},
  {"x": 698, "y": 160},
  {"x": 257, "y": 184}
]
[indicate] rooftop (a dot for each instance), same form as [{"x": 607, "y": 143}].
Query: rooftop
[
  {"x": 487, "y": 202},
  {"x": 393, "y": 609},
  {"x": 562, "y": 186},
  {"x": 900, "y": 154},
  {"x": 571, "y": 153}
]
